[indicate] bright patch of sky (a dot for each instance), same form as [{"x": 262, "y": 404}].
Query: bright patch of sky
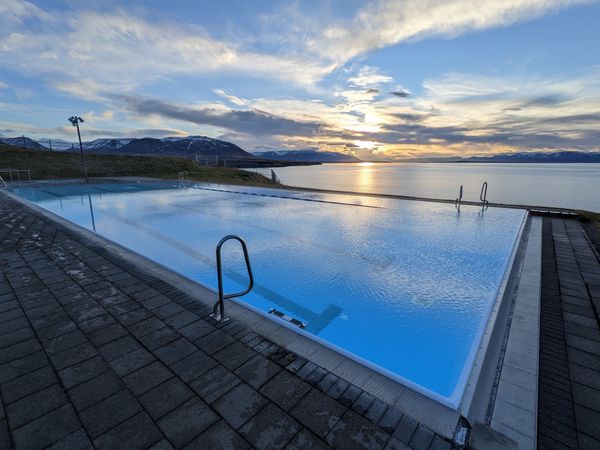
[{"x": 381, "y": 79}]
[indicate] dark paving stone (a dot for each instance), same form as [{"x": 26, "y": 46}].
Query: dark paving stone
[
  {"x": 108, "y": 413},
  {"x": 108, "y": 334},
  {"x": 147, "y": 377},
  {"x": 305, "y": 440},
  {"x": 218, "y": 437},
  {"x": 162, "y": 445},
  {"x": 23, "y": 366},
  {"x": 440, "y": 443},
  {"x": 338, "y": 388},
  {"x": 349, "y": 396},
  {"x": 118, "y": 348},
  {"x": 318, "y": 412},
  {"x": 47, "y": 429},
  {"x": 28, "y": 384},
  {"x": 35, "y": 405},
  {"x": 165, "y": 397},
  {"x": 182, "y": 319},
  {"x": 355, "y": 432},
  {"x": 327, "y": 382},
  {"x": 84, "y": 371},
  {"x": 257, "y": 371},
  {"x": 91, "y": 392},
  {"x": 56, "y": 330},
  {"x": 406, "y": 429},
  {"x": 363, "y": 403},
  {"x": 167, "y": 310},
  {"x": 395, "y": 444},
  {"x": 271, "y": 428},
  {"x": 159, "y": 338},
  {"x": 306, "y": 370},
  {"x": 146, "y": 327},
  {"x": 196, "y": 330},
  {"x": 74, "y": 441},
  {"x": 73, "y": 356},
  {"x": 133, "y": 317},
  {"x": 422, "y": 438},
  {"x": 187, "y": 422},
  {"x": 14, "y": 337},
  {"x": 239, "y": 405},
  {"x": 131, "y": 361},
  {"x": 18, "y": 350},
  {"x": 214, "y": 383},
  {"x": 234, "y": 355},
  {"x": 215, "y": 341},
  {"x": 376, "y": 411},
  {"x": 194, "y": 365},
  {"x": 390, "y": 419},
  {"x": 285, "y": 390},
  {"x": 64, "y": 342},
  {"x": 175, "y": 351},
  {"x": 137, "y": 432}
]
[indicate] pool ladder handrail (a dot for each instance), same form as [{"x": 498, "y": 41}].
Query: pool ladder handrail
[
  {"x": 458, "y": 201},
  {"x": 219, "y": 307},
  {"x": 483, "y": 195},
  {"x": 3, "y": 184}
]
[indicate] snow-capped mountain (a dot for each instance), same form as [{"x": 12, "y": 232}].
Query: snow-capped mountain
[
  {"x": 191, "y": 147},
  {"x": 23, "y": 141},
  {"x": 105, "y": 143}
]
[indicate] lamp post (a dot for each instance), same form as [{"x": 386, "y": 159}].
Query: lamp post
[{"x": 75, "y": 121}]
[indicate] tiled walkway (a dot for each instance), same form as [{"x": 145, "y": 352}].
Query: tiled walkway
[
  {"x": 569, "y": 384},
  {"x": 97, "y": 353}
]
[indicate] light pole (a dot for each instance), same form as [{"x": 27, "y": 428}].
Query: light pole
[{"x": 75, "y": 121}]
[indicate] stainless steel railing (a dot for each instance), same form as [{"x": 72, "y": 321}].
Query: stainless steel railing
[{"x": 219, "y": 308}]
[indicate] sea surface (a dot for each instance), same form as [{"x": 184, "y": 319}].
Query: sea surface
[{"x": 575, "y": 186}]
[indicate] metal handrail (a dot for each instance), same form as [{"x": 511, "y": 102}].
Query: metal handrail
[
  {"x": 3, "y": 184},
  {"x": 458, "y": 201},
  {"x": 483, "y": 194},
  {"x": 219, "y": 308}
]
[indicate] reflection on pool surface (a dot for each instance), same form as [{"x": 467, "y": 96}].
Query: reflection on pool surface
[{"x": 405, "y": 285}]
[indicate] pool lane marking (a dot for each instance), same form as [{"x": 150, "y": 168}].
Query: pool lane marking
[
  {"x": 316, "y": 321},
  {"x": 286, "y": 198}
]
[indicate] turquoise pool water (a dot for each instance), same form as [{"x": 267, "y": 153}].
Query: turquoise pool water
[{"x": 404, "y": 285}]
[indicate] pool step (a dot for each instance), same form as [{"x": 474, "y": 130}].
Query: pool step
[{"x": 287, "y": 318}]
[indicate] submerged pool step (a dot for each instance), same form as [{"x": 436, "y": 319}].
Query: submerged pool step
[{"x": 287, "y": 318}]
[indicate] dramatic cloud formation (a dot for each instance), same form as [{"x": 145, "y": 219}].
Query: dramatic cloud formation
[{"x": 289, "y": 76}]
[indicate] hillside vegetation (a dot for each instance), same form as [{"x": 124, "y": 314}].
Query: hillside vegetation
[{"x": 49, "y": 165}]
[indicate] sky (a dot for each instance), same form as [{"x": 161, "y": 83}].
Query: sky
[{"x": 381, "y": 80}]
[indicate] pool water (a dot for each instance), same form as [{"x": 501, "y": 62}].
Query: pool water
[{"x": 405, "y": 285}]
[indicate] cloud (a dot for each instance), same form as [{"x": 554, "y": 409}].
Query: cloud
[
  {"x": 372, "y": 91},
  {"x": 3, "y": 85},
  {"x": 231, "y": 98},
  {"x": 86, "y": 53},
  {"x": 252, "y": 121},
  {"x": 389, "y": 22},
  {"x": 369, "y": 76},
  {"x": 401, "y": 92}
]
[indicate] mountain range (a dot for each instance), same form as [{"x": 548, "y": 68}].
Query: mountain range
[
  {"x": 307, "y": 156},
  {"x": 521, "y": 157},
  {"x": 214, "y": 152}
]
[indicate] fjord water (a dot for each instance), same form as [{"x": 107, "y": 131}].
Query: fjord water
[
  {"x": 405, "y": 285},
  {"x": 575, "y": 186}
]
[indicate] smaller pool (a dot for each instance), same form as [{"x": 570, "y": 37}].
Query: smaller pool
[{"x": 404, "y": 286}]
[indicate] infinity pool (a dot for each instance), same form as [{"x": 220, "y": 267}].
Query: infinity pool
[{"x": 406, "y": 286}]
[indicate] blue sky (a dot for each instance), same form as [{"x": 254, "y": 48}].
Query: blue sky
[{"x": 380, "y": 79}]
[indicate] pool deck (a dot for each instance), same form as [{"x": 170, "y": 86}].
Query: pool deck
[
  {"x": 95, "y": 352},
  {"x": 98, "y": 352}
]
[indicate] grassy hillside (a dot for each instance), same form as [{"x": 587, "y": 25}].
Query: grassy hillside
[{"x": 47, "y": 165}]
